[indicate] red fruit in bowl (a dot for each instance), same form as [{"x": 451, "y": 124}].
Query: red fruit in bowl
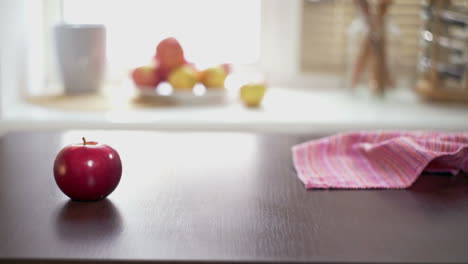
[
  {"x": 169, "y": 55},
  {"x": 87, "y": 171},
  {"x": 146, "y": 76}
]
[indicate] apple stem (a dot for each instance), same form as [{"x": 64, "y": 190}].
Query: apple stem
[{"x": 84, "y": 141}]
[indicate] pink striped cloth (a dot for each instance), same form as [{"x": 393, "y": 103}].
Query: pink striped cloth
[{"x": 378, "y": 159}]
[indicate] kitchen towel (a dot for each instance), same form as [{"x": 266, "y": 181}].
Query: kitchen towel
[{"x": 380, "y": 159}]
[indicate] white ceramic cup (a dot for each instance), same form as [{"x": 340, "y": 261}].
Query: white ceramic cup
[{"x": 81, "y": 56}]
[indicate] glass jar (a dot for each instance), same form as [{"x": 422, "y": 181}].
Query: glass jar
[{"x": 362, "y": 62}]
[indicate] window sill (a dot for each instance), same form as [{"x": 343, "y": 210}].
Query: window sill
[{"x": 283, "y": 111}]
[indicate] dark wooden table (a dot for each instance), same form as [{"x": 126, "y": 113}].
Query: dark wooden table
[{"x": 217, "y": 197}]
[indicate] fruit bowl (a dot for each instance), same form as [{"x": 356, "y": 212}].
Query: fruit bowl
[
  {"x": 171, "y": 77},
  {"x": 199, "y": 94}
]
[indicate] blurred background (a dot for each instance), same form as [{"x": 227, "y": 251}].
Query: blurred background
[{"x": 294, "y": 66}]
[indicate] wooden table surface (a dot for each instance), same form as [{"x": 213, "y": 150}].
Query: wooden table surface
[{"x": 217, "y": 197}]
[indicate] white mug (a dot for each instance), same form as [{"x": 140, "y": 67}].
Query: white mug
[{"x": 81, "y": 55}]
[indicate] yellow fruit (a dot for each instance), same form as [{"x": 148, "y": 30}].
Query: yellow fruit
[
  {"x": 183, "y": 78},
  {"x": 214, "y": 77},
  {"x": 252, "y": 94}
]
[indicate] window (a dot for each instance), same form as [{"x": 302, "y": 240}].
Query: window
[
  {"x": 262, "y": 34},
  {"x": 283, "y": 39},
  {"x": 211, "y": 31}
]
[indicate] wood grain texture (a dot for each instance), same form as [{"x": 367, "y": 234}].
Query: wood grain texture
[{"x": 217, "y": 197}]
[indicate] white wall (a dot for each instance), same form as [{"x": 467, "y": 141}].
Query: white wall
[
  {"x": 12, "y": 50},
  {"x": 280, "y": 37},
  {"x": 21, "y": 67}
]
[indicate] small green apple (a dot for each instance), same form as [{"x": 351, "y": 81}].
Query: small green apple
[
  {"x": 214, "y": 77},
  {"x": 252, "y": 94},
  {"x": 146, "y": 76},
  {"x": 183, "y": 78}
]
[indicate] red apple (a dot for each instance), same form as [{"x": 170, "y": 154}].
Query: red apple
[
  {"x": 87, "y": 171},
  {"x": 146, "y": 76},
  {"x": 169, "y": 56}
]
